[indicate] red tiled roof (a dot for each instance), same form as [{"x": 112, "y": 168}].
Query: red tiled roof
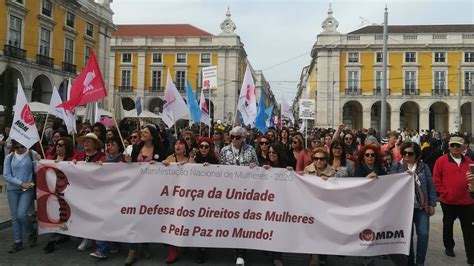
[
  {"x": 163, "y": 30},
  {"x": 376, "y": 29}
]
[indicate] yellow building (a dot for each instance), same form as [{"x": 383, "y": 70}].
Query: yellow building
[
  {"x": 142, "y": 55},
  {"x": 45, "y": 42},
  {"x": 430, "y": 69}
]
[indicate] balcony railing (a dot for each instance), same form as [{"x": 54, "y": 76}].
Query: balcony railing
[
  {"x": 125, "y": 88},
  {"x": 410, "y": 92},
  {"x": 440, "y": 92},
  {"x": 353, "y": 91},
  {"x": 467, "y": 93},
  {"x": 378, "y": 91},
  {"x": 181, "y": 89},
  {"x": 69, "y": 67},
  {"x": 15, "y": 52},
  {"x": 44, "y": 60},
  {"x": 156, "y": 89}
]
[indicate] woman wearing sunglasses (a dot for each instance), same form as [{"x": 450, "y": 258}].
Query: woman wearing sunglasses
[
  {"x": 338, "y": 161},
  {"x": 206, "y": 152},
  {"x": 263, "y": 143},
  {"x": 369, "y": 162},
  {"x": 425, "y": 198},
  {"x": 18, "y": 173}
]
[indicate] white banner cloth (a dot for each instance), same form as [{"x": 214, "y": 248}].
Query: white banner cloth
[{"x": 226, "y": 207}]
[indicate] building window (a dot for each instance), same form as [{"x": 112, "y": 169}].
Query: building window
[
  {"x": 353, "y": 80},
  {"x": 181, "y": 58},
  {"x": 469, "y": 57},
  {"x": 70, "y": 17},
  {"x": 15, "y": 31},
  {"x": 45, "y": 42},
  {"x": 69, "y": 51},
  {"x": 379, "y": 57},
  {"x": 157, "y": 58},
  {"x": 378, "y": 80},
  {"x": 410, "y": 80},
  {"x": 88, "y": 55},
  {"x": 155, "y": 79},
  {"x": 205, "y": 58},
  {"x": 19, "y": 1},
  {"x": 439, "y": 80},
  {"x": 440, "y": 57},
  {"x": 181, "y": 80},
  {"x": 90, "y": 29},
  {"x": 353, "y": 58},
  {"x": 126, "y": 58},
  {"x": 46, "y": 7},
  {"x": 410, "y": 57},
  {"x": 126, "y": 78},
  {"x": 469, "y": 81}
]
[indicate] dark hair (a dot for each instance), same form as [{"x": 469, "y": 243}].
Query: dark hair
[
  {"x": 287, "y": 132},
  {"x": 186, "y": 146},
  {"x": 155, "y": 134},
  {"x": 415, "y": 146},
  {"x": 378, "y": 155},
  {"x": 282, "y": 159},
  {"x": 336, "y": 143},
  {"x": 117, "y": 140},
  {"x": 68, "y": 146},
  {"x": 102, "y": 130},
  {"x": 257, "y": 142}
]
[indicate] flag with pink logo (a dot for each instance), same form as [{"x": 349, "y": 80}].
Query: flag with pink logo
[
  {"x": 174, "y": 107},
  {"x": 247, "y": 104},
  {"x": 23, "y": 128}
]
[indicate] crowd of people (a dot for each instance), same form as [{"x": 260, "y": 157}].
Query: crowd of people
[{"x": 439, "y": 164}]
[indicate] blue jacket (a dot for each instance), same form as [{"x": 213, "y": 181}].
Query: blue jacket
[
  {"x": 424, "y": 175},
  {"x": 17, "y": 172}
]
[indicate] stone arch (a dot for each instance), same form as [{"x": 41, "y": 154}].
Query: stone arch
[
  {"x": 62, "y": 90},
  {"x": 466, "y": 117},
  {"x": 439, "y": 116},
  {"x": 128, "y": 103},
  {"x": 375, "y": 116},
  {"x": 352, "y": 114},
  {"x": 409, "y": 115},
  {"x": 41, "y": 89}
]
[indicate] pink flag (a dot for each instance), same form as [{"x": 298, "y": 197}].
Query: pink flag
[
  {"x": 247, "y": 104},
  {"x": 205, "y": 118}
]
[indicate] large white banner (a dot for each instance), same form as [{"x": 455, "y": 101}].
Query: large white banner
[{"x": 226, "y": 207}]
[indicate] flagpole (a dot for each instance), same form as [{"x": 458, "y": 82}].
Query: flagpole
[
  {"x": 175, "y": 127},
  {"x": 210, "y": 114},
  {"x": 118, "y": 130},
  {"x": 42, "y": 135}
]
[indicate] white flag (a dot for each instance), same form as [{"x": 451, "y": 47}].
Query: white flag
[
  {"x": 247, "y": 104},
  {"x": 286, "y": 111},
  {"x": 205, "y": 118},
  {"x": 69, "y": 117},
  {"x": 55, "y": 101},
  {"x": 23, "y": 128},
  {"x": 174, "y": 107}
]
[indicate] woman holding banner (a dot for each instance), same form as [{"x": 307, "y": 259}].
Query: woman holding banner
[
  {"x": 206, "y": 153},
  {"x": 149, "y": 149},
  {"x": 18, "y": 172},
  {"x": 425, "y": 198},
  {"x": 239, "y": 153},
  {"x": 276, "y": 158},
  {"x": 369, "y": 162}
]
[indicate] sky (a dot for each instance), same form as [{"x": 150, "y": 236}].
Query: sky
[{"x": 278, "y": 34}]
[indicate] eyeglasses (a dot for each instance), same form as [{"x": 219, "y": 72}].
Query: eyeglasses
[
  {"x": 204, "y": 146},
  {"x": 314, "y": 141},
  {"x": 187, "y": 139},
  {"x": 235, "y": 137},
  {"x": 134, "y": 137},
  {"x": 370, "y": 155},
  {"x": 295, "y": 142},
  {"x": 60, "y": 145},
  {"x": 315, "y": 158},
  {"x": 272, "y": 152},
  {"x": 348, "y": 138},
  {"x": 337, "y": 148},
  {"x": 408, "y": 153},
  {"x": 263, "y": 143},
  {"x": 455, "y": 145},
  {"x": 17, "y": 147}
]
